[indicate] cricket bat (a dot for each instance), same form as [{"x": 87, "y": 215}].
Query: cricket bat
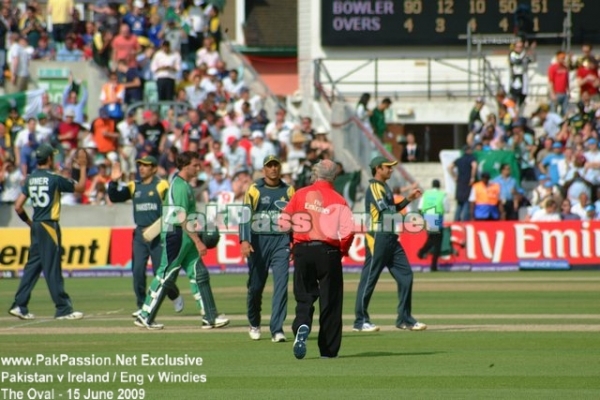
[{"x": 152, "y": 231}]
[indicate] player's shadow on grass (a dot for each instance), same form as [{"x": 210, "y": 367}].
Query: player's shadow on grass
[{"x": 391, "y": 354}]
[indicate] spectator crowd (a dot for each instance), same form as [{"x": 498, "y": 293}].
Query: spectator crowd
[
  {"x": 164, "y": 54},
  {"x": 556, "y": 175}
]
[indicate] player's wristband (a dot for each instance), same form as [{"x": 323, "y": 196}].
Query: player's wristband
[
  {"x": 400, "y": 206},
  {"x": 23, "y": 216}
]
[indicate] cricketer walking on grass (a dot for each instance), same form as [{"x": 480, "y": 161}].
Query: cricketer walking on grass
[
  {"x": 147, "y": 195},
  {"x": 384, "y": 250},
  {"x": 182, "y": 248},
  {"x": 266, "y": 248},
  {"x": 44, "y": 188}
]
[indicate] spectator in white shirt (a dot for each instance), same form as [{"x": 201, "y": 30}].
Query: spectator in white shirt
[
  {"x": 280, "y": 129},
  {"x": 592, "y": 157},
  {"x": 43, "y": 127},
  {"x": 296, "y": 152},
  {"x": 579, "y": 207},
  {"x": 209, "y": 82},
  {"x": 260, "y": 149},
  {"x": 128, "y": 131},
  {"x": 547, "y": 214},
  {"x": 552, "y": 122},
  {"x": 22, "y": 137},
  {"x": 10, "y": 178},
  {"x": 254, "y": 101},
  {"x": 233, "y": 84},
  {"x": 207, "y": 54},
  {"x": 165, "y": 66},
  {"x": 235, "y": 155},
  {"x": 196, "y": 93}
]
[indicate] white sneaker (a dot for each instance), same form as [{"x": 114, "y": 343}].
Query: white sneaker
[
  {"x": 254, "y": 333},
  {"x": 178, "y": 304},
  {"x": 16, "y": 312},
  {"x": 73, "y": 315},
  {"x": 418, "y": 326},
  {"x": 143, "y": 323},
  {"x": 220, "y": 322},
  {"x": 367, "y": 327},
  {"x": 279, "y": 337},
  {"x": 137, "y": 313}
]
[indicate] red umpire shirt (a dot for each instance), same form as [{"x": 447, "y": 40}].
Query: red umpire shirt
[{"x": 318, "y": 213}]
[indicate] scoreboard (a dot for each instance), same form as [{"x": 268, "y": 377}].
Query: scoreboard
[{"x": 440, "y": 22}]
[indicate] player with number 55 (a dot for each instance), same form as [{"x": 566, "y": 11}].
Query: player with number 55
[{"x": 44, "y": 188}]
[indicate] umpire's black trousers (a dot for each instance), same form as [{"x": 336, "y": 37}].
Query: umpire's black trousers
[{"x": 318, "y": 276}]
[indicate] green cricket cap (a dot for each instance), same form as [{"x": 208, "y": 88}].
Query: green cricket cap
[
  {"x": 44, "y": 151},
  {"x": 381, "y": 160},
  {"x": 148, "y": 160},
  {"x": 270, "y": 158}
]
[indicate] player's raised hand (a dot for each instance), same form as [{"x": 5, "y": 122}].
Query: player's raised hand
[
  {"x": 414, "y": 194},
  {"x": 116, "y": 173}
]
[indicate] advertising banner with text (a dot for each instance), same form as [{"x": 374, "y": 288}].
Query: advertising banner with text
[
  {"x": 479, "y": 246},
  {"x": 82, "y": 249}
]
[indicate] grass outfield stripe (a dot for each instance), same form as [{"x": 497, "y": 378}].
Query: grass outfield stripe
[
  {"x": 129, "y": 329},
  {"x": 494, "y": 279},
  {"x": 104, "y": 317}
]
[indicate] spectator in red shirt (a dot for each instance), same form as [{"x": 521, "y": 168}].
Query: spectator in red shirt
[
  {"x": 587, "y": 78},
  {"x": 68, "y": 132},
  {"x": 558, "y": 82},
  {"x": 323, "y": 236},
  {"x": 125, "y": 46}
]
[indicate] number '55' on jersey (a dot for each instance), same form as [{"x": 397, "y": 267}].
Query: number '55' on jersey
[{"x": 44, "y": 188}]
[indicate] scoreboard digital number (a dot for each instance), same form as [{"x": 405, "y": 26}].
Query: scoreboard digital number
[{"x": 440, "y": 22}]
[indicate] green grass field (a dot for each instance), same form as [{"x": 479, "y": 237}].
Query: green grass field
[{"x": 527, "y": 335}]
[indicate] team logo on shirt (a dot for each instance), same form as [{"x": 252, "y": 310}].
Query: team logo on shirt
[
  {"x": 266, "y": 200},
  {"x": 137, "y": 194},
  {"x": 280, "y": 204},
  {"x": 151, "y": 193}
]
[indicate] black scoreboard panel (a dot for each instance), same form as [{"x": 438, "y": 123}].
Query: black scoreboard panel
[{"x": 440, "y": 22}]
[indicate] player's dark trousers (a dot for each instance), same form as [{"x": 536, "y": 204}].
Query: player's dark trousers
[
  {"x": 139, "y": 260},
  {"x": 270, "y": 251},
  {"x": 318, "y": 276},
  {"x": 44, "y": 256},
  {"x": 384, "y": 250},
  {"x": 433, "y": 245}
]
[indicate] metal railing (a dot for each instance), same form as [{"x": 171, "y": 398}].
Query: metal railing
[
  {"x": 350, "y": 135},
  {"x": 441, "y": 78}
]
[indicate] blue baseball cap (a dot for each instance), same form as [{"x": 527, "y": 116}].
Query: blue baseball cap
[
  {"x": 591, "y": 141},
  {"x": 557, "y": 145},
  {"x": 590, "y": 207},
  {"x": 542, "y": 177},
  {"x": 548, "y": 184}
]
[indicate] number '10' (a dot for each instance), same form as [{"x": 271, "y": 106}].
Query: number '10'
[{"x": 476, "y": 6}]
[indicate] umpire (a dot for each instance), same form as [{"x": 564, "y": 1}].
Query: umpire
[
  {"x": 44, "y": 188},
  {"x": 265, "y": 199},
  {"x": 323, "y": 231},
  {"x": 147, "y": 195},
  {"x": 384, "y": 250}
]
